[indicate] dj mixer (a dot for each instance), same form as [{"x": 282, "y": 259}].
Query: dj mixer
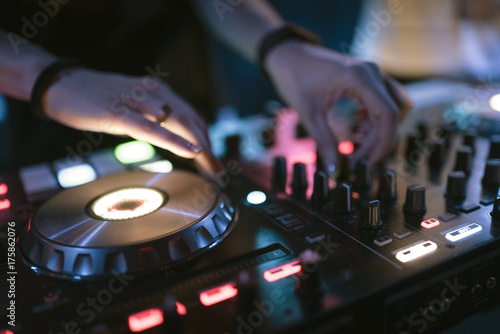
[{"x": 122, "y": 240}]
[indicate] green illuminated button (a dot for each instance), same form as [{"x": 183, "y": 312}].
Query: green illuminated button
[{"x": 134, "y": 151}]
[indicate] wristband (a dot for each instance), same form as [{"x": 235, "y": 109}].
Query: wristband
[
  {"x": 287, "y": 32},
  {"x": 43, "y": 82}
]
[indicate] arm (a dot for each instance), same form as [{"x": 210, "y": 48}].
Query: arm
[
  {"x": 103, "y": 102},
  {"x": 311, "y": 78}
]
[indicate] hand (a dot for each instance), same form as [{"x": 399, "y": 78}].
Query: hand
[
  {"x": 135, "y": 106},
  {"x": 312, "y": 78}
]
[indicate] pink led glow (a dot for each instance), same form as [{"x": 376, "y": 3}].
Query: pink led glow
[{"x": 283, "y": 271}]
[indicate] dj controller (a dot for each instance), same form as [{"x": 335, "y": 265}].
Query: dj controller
[{"x": 121, "y": 240}]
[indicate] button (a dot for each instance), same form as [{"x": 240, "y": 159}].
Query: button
[
  {"x": 401, "y": 234},
  {"x": 448, "y": 217},
  {"x": 463, "y": 232},
  {"x": 466, "y": 208},
  {"x": 3, "y": 189},
  {"x": 105, "y": 163},
  {"x": 133, "y": 152},
  {"x": 382, "y": 241},
  {"x": 487, "y": 200},
  {"x": 38, "y": 178},
  {"x": 315, "y": 237},
  {"x": 76, "y": 175},
  {"x": 430, "y": 223},
  {"x": 4, "y": 204},
  {"x": 274, "y": 209},
  {"x": 290, "y": 221},
  {"x": 416, "y": 251}
]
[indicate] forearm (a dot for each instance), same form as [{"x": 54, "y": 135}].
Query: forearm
[
  {"x": 244, "y": 26},
  {"x": 20, "y": 65}
]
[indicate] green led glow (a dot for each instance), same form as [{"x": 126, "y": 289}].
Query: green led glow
[{"x": 134, "y": 151}]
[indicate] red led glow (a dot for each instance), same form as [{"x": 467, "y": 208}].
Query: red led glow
[
  {"x": 147, "y": 319},
  {"x": 4, "y": 204},
  {"x": 218, "y": 294},
  {"x": 355, "y": 195},
  {"x": 305, "y": 158},
  {"x": 181, "y": 309},
  {"x": 283, "y": 271},
  {"x": 6, "y": 331},
  {"x": 430, "y": 223},
  {"x": 3, "y": 190},
  {"x": 346, "y": 147}
]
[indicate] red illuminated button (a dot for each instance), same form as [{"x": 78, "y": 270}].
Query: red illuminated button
[
  {"x": 283, "y": 271},
  {"x": 181, "y": 309},
  {"x": 346, "y": 147},
  {"x": 3, "y": 190},
  {"x": 141, "y": 321},
  {"x": 6, "y": 331},
  {"x": 430, "y": 223},
  {"x": 218, "y": 294},
  {"x": 4, "y": 204}
]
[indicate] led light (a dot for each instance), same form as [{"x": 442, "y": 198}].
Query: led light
[
  {"x": 147, "y": 319},
  {"x": 218, "y": 294},
  {"x": 463, "y": 232},
  {"x": 4, "y": 204},
  {"x": 346, "y": 147},
  {"x": 256, "y": 197},
  {"x": 76, "y": 175},
  {"x": 416, "y": 251},
  {"x": 495, "y": 102},
  {"x": 181, "y": 309},
  {"x": 3, "y": 189},
  {"x": 6, "y": 331},
  {"x": 127, "y": 203},
  {"x": 134, "y": 151},
  {"x": 430, "y": 223},
  {"x": 161, "y": 166},
  {"x": 283, "y": 271}
]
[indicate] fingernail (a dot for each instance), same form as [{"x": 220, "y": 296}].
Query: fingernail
[{"x": 195, "y": 148}]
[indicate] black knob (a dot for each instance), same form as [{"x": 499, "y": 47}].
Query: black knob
[
  {"x": 343, "y": 200},
  {"x": 415, "y": 200},
  {"x": 444, "y": 136},
  {"x": 470, "y": 140},
  {"x": 491, "y": 177},
  {"x": 464, "y": 159},
  {"x": 233, "y": 146},
  {"x": 438, "y": 155},
  {"x": 309, "y": 275},
  {"x": 172, "y": 321},
  {"x": 247, "y": 291},
  {"x": 279, "y": 174},
  {"x": 319, "y": 196},
  {"x": 363, "y": 181},
  {"x": 494, "y": 147},
  {"x": 495, "y": 213},
  {"x": 455, "y": 188},
  {"x": 412, "y": 150},
  {"x": 371, "y": 214},
  {"x": 387, "y": 186},
  {"x": 299, "y": 183}
]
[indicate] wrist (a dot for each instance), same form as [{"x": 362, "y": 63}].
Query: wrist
[{"x": 283, "y": 57}]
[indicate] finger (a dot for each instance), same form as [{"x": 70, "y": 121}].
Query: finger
[
  {"x": 154, "y": 109},
  {"x": 366, "y": 145},
  {"x": 399, "y": 94},
  {"x": 140, "y": 128}
]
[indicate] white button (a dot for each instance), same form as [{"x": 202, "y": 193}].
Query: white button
[{"x": 38, "y": 178}]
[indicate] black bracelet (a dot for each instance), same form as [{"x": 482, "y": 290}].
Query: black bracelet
[
  {"x": 43, "y": 82},
  {"x": 287, "y": 32}
]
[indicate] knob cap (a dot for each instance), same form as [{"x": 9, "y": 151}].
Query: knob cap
[
  {"x": 371, "y": 214},
  {"x": 343, "y": 200},
  {"x": 415, "y": 200},
  {"x": 491, "y": 177},
  {"x": 387, "y": 186},
  {"x": 233, "y": 146},
  {"x": 279, "y": 174},
  {"x": 464, "y": 159},
  {"x": 412, "y": 150},
  {"x": 494, "y": 147},
  {"x": 299, "y": 183},
  {"x": 438, "y": 155},
  {"x": 455, "y": 188},
  {"x": 363, "y": 175},
  {"x": 247, "y": 291},
  {"x": 319, "y": 196},
  {"x": 470, "y": 140},
  {"x": 495, "y": 213},
  {"x": 172, "y": 321},
  {"x": 309, "y": 276}
]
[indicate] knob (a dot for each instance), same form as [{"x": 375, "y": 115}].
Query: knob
[
  {"x": 412, "y": 150},
  {"x": 233, "y": 146},
  {"x": 470, "y": 140},
  {"x": 438, "y": 155},
  {"x": 247, "y": 291},
  {"x": 491, "y": 177},
  {"x": 363, "y": 175},
  {"x": 494, "y": 147},
  {"x": 387, "y": 186},
  {"x": 299, "y": 183},
  {"x": 415, "y": 200},
  {"x": 319, "y": 196},
  {"x": 422, "y": 131},
  {"x": 309, "y": 275},
  {"x": 371, "y": 214},
  {"x": 343, "y": 199},
  {"x": 463, "y": 160},
  {"x": 455, "y": 188},
  {"x": 279, "y": 174},
  {"x": 495, "y": 213},
  {"x": 444, "y": 134},
  {"x": 172, "y": 321}
]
